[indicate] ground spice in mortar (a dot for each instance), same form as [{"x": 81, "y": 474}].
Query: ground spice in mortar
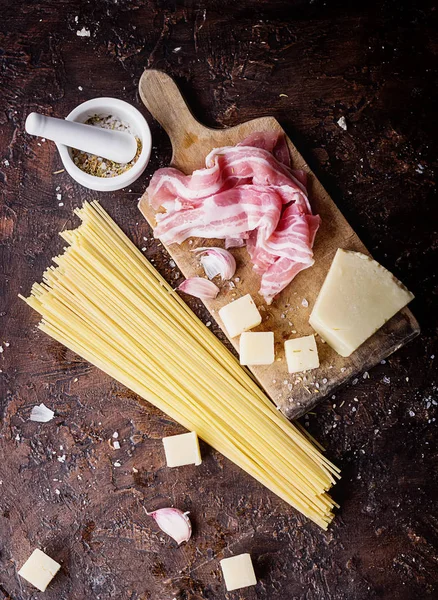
[{"x": 102, "y": 167}]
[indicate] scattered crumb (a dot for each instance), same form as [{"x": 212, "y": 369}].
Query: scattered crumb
[
  {"x": 61, "y": 204},
  {"x": 172, "y": 263},
  {"x": 283, "y": 96},
  {"x": 343, "y": 369},
  {"x": 61, "y": 459},
  {"x": 115, "y": 435},
  {"x": 80, "y": 88},
  {"x": 383, "y": 362},
  {"x": 366, "y": 375},
  {"x": 6, "y": 162},
  {"x": 58, "y": 196},
  {"x": 58, "y": 172},
  {"x": 304, "y": 303},
  {"x": 57, "y": 492},
  {"x": 208, "y": 324},
  {"x": 117, "y": 464},
  {"x": 325, "y": 380},
  {"x": 134, "y": 470},
  {"x": 386, "y": 380},
  {"x": 176, "y": 50},
  {"x": 411, "y": 413},
  {"x": 355, "y": 380},
  {"x": 342, "y": 123}
]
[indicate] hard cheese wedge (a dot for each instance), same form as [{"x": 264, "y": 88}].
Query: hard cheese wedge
[{"x": 357, "y": 297}]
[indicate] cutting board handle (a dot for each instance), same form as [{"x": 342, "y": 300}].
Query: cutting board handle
[{"x": 164, "y": 101}]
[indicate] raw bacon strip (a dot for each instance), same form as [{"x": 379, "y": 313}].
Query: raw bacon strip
[
  {"x": 246, "y": 194},
  {"x": 228, "y": 214},
  {"x": 226, "y": 168},
  {"x": 279, "y": 275},
  {"x": 273, "y": 142},
  {"x": 234, "y": 243}
]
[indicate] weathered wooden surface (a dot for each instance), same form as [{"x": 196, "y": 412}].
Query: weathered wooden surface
[
  {"x": 290, "y": 310},
  {"x": 374, "y": 64}
]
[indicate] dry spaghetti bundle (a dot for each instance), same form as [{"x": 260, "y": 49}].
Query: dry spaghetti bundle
[{"x": 107, "y": 303}]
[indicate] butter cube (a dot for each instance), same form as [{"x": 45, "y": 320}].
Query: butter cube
[
  {"x": 39, "y": 570},
  {"x": 182, "y": 450},
  {"x": 257, "y": 348},
  {"x": 238, "y": 572},
  {"x": 240, "y": 315},
  {"x": 301, "y": 354}
]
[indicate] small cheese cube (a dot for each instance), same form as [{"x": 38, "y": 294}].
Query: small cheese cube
[
  {"x": 39, "y": 570},
  {"x": 301, "y": 354},
  {"x": 182, "y": 450},
  {"x": 238, "y": 572},
  {"x": 240, "y": 315},
  {"x": 257, "y": 348}
]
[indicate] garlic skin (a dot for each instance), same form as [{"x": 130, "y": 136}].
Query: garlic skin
[
  {"x": 174, "y": 522},
  {"x": 217, "y": 261},
  {"x": 41, "y": 414},
  {"x": 199, "y": 287}
]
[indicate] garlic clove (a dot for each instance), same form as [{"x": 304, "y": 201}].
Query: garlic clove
[
  {"x": 41, "y": 414},
  {"x": 174, "y": 522},
  {"x": 199, "y": 287},
  {"x": 217, "y": 261}
]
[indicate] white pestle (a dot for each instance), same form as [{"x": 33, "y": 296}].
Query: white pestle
[{"x": 117, "y": 146}]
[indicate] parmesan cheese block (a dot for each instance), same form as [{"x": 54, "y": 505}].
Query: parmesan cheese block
[
  {"x": 39, "y": 569},
  {"x": 238, "y": 572},
  {"x": 256, "y": 348},
  {"x": 358, "y": 296}
]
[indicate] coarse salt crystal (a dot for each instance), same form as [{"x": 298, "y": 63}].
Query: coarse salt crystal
[
  {"x": 343, "y": 369},
  {"x": 355, "y": 380},
  {"x": 84, "y": 32},
  {"x": 61, "y": 459},
  {"x": 116, "y": 445},
  {"x": 304, "y": 303},
  {"x": 57, "y": 492},
  {"x": 80, "y": 88},
  {"x": 342, "y": 123},
  {"x": 386, "y": 380},
  {"x": 117, "y": 464},
  {"x": 325, "y": 380},
  {"x": 115, "y": 435}
]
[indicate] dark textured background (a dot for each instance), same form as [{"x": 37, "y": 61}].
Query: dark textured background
[{"x": 375, "y": 64}]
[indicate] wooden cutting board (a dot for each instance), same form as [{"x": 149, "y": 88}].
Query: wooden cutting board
[{"x": 289, "y": 313}]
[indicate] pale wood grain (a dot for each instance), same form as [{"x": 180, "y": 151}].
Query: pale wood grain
[{"x": 294, "y": 395}]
